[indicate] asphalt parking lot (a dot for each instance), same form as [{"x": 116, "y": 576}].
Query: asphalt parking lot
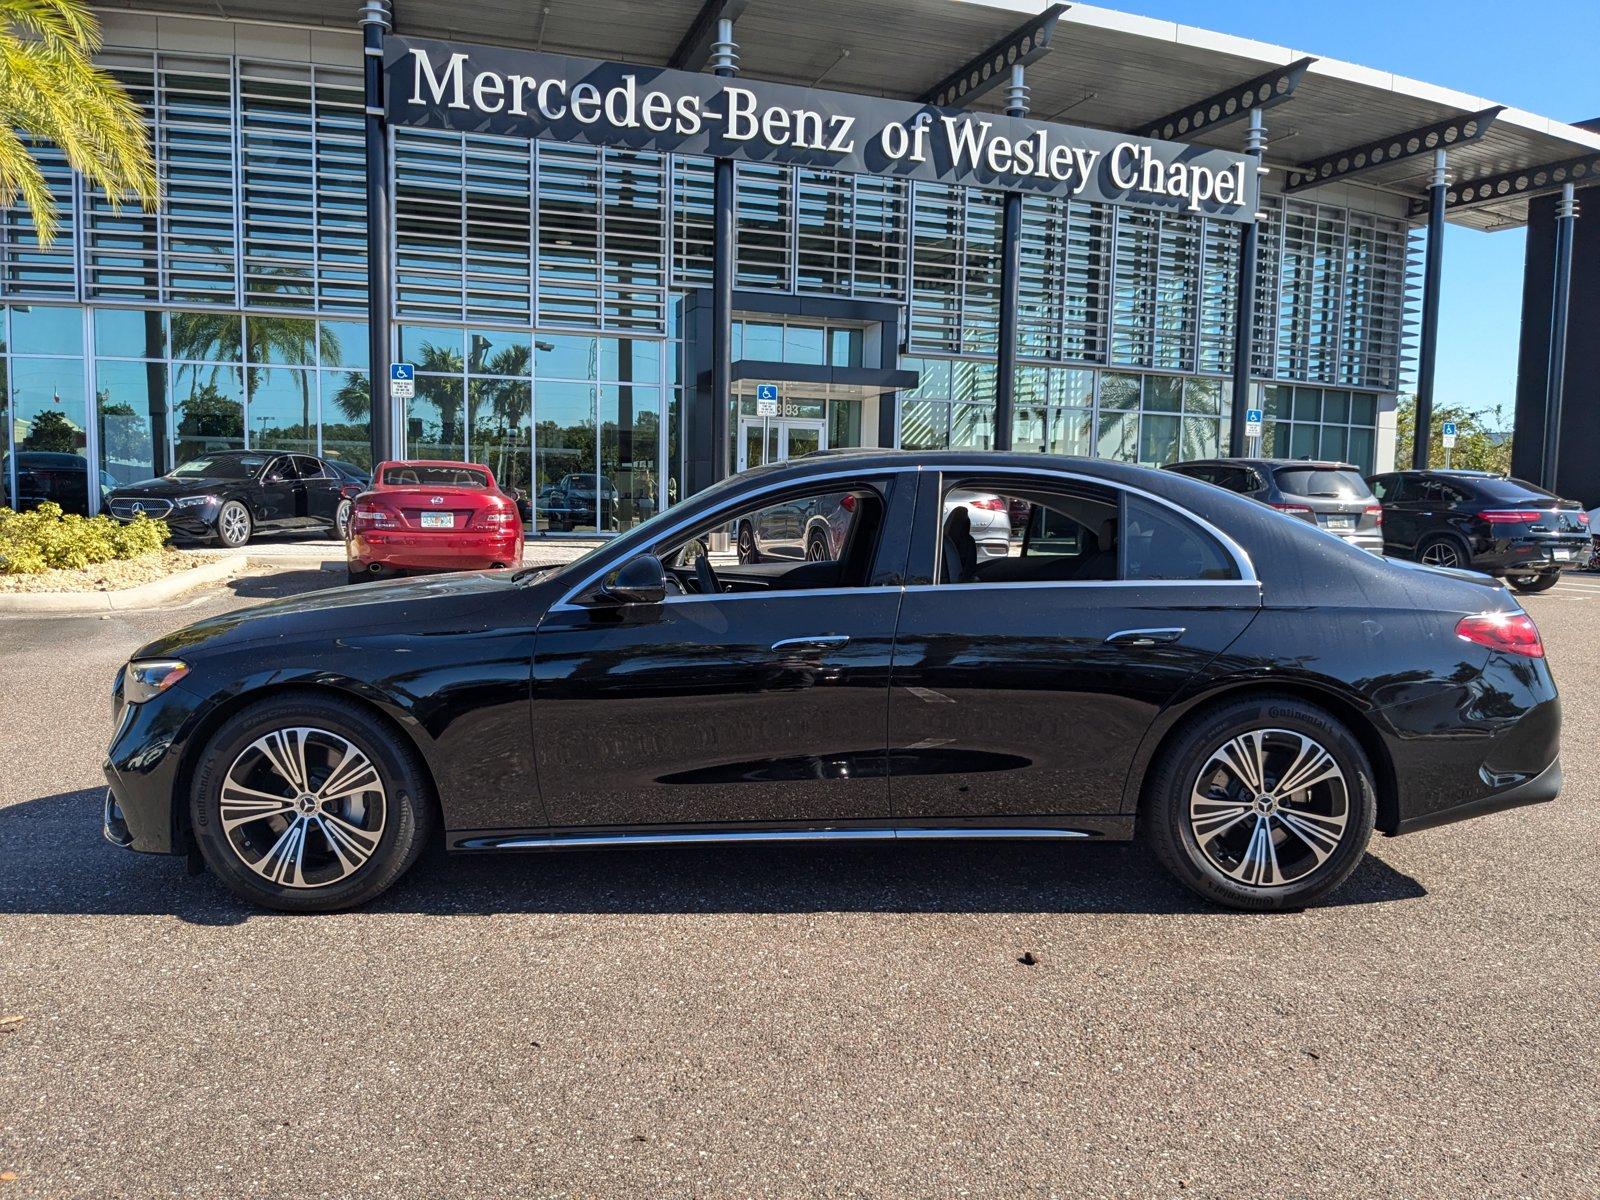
[{"x": 787, "y": 1021}]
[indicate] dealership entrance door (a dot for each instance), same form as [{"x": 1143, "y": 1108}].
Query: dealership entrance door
[{"x": 764, "y": 440}]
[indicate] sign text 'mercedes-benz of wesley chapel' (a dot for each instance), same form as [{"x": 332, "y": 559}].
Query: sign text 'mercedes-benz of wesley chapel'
[{"x": 500, "y": 90}]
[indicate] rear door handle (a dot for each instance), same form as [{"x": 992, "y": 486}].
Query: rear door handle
[
  {"x": 1144, "y": 637},
  {"x": 826, "y": 641}
]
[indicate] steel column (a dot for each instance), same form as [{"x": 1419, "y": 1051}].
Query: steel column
[
  {"x": 1428, "y": 349},
  {"x": 724, "y": 62},
  {"x": 1005, "y": 390},
  {"x": 374, "y": 24},
  {"x": 1556, "y": 372},
  {"x": 1244, "y": 306}
]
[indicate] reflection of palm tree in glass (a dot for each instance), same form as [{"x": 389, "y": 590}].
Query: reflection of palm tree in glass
[{"x": 509, "y": 401}]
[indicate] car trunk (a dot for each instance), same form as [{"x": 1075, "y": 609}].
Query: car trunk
[
  {"x": 439, "y": 509},
  {"x": 1337, "y": 497}
]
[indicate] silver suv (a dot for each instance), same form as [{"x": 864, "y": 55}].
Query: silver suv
[{"x": 1330, "y": 495}]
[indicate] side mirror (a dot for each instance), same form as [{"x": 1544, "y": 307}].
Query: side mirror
[{"x": 641, "y": 580}]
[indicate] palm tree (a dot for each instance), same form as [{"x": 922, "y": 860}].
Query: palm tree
[{"x": 51, "y": 91}]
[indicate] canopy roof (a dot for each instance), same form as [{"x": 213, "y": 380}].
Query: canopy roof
[{"x": 1105, "y": 68}]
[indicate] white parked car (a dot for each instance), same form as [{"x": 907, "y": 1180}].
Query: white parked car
[{"x": 991, "y": 521}]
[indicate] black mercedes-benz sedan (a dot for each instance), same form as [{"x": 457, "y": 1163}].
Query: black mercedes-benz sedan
[
  {"x": 1153, "y": 656},
  {"x": 231, "y": 494}
]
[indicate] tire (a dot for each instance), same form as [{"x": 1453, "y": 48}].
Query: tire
[
  {"x": 234, "y": 525},
  {"x": 1204, "y": 827},
  {"x": 1441, "y": 550},
  {"x": 341, "y": 519},
  {"x": 746, "y": 543},
  {"x": 381, "y": 828},
  {"x": 1528, "y": 584},
  {"x": 817, "y": 549}
]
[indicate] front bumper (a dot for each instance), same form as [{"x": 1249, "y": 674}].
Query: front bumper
[
  {"x": 458, "y": 549},
  {"x": 143, "y": 810}
]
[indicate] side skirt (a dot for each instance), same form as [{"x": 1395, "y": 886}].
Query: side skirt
[{"x": 1108, "y": 828}]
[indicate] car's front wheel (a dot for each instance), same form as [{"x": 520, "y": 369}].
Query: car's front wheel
[
  {"x": 1262, "y": 803},
  {"x": 309, "y": 804},
  {"x": 341, "y": 518},
  {"x": 1534, "y": 583},
  {"x": 234, "y": 525},
  {"x": 746, "y": 545}
]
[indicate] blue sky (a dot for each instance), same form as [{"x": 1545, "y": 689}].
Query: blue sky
[{"x": 1538, "y": 56}]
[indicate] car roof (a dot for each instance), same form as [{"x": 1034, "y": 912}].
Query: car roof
[
  {"x": 432, "y": 462},
  {"x": 1330, "y": 464}
]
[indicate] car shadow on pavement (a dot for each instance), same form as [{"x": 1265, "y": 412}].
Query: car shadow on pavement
[
  {"x": 55, "y": 862},
  {"x": 275, "y": 584}
]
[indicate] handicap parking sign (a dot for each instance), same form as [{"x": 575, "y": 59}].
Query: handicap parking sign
[
  {"x": 1252, "y": 422},
  {"x": 402, "y": 381}
]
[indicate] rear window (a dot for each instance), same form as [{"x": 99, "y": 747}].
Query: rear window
[
  {"x": 1504, "y": 491},
  {"x": 1326, "y": 482},
  {"x": 439, "y": 477}
]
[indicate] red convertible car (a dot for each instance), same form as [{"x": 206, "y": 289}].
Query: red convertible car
[{"x": 430, "y": 515}]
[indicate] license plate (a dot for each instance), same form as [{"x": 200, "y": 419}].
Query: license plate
[
  {"x": 1341, "y": 522},
  {"x": 438, "y": 520},
  {"x": 1562, "y": 555}
]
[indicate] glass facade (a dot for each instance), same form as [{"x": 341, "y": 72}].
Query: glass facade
[{"x": 235, "y": 316}]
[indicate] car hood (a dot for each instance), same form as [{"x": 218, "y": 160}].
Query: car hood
[
  {"x": 423, "y": 606},
  {"x": 167, "y": 488}
]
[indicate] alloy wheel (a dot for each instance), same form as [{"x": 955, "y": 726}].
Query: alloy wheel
[
  {"x": 303, "y": 807},
  {"x": 341, "y": 518},
  {"x": 234, "y": 522},
  {"x": 747, "y": 545},
  {"x": 816, "y": 550},
  {"x": 1269, "y": 807},
  {"x": 1441, "y": 554}
]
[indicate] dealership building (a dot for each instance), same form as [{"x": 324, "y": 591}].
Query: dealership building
[{"x": 660, "y": 242}]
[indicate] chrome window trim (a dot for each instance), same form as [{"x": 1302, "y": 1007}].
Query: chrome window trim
[
  {"x": 1254, "y": 586},
  {"x": 1241, "y": 560}
]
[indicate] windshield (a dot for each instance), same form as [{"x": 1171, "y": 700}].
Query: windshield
[
  {"x": 1329, "y": 482},
  {"x": 438, "y": 477},
  {"x": 223, "y": 466}
]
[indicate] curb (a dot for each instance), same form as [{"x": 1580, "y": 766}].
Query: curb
[{"x": 146, "y": 595}]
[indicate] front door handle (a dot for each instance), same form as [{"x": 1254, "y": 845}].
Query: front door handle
[
  {"x": 1144, "y": 637},
  {"x": 826, "y": 641}
]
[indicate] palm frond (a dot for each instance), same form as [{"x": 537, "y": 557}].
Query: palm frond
[
  {"x": 20, "y": 176},
  {"x": 51, "y": 91}
]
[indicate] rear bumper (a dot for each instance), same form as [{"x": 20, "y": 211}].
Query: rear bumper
[
  {"x": 1542, "y": 787},
  {"x": 446, "y": 548},
  {"x": 1515, "y": 557}
]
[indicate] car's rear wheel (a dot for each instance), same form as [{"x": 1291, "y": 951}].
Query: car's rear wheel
[
  {"x": 309, "y": 804},
  {"x": 341, "y": 518},
  {"x": 1534, "y": 583},
  {"x": 817, "y": 548},
  {"x": 233, "y": 524},
  {"x": 1263, "y": 803},
  {"x": 1444, "y": 552},
  {"x": 746, "y": 544}
]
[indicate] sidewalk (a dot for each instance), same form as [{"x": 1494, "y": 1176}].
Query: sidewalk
[{"x": 328, "y": 553}]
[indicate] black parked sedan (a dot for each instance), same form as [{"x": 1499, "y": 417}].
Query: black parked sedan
[
  {"x": 1483, "y": 522},
  {"x": 1153, "y": 655},
  {"x": 231, "y": 495}
]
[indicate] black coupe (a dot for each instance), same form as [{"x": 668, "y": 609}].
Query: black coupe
[
  {"x": 1153, "y": 655},
  {"x": 232, "y": 494}
]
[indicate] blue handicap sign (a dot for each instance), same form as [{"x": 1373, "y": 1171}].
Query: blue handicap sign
[
  {"x": 1252, "y": 416},
  {"x": 402, "y": 372},
  {"x": 1449, "y": 429},
  {"x": 766, "y": 391}
]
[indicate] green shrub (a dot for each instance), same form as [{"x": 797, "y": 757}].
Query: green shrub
[{"x": 46, "y": 537}]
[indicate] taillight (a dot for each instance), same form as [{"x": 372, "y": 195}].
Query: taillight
[
  {"x": 1295, "y": 510},
  {"x": 1510, "y": 516},
  {"x": 498, "y": 516},
  {"x": 371, "y": 514},
  {"x": 848, "y": 503},
  {"x": 1515, "y": 633},
  {"x": 1375, "y": 511},
  {"x": 988, "y": 504},
  {"x": 1583, "y": 518}
]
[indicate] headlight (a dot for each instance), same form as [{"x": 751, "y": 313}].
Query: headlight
[
  {"x": 194, "y": 501},
  {"x": 152, "y": 677}
]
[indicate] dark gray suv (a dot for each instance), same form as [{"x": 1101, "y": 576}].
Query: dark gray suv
[{"x": 1330, "y": 495}]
